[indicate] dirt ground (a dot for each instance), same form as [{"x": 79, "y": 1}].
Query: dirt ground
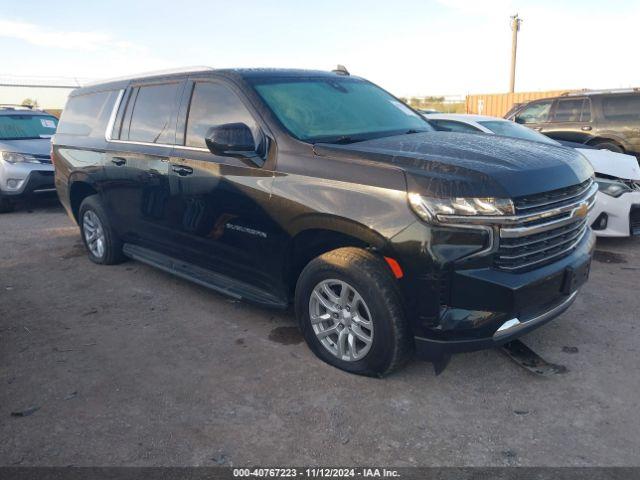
[{"x": 127, "y": 365}]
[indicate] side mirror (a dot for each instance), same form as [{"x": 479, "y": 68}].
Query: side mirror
[
  {"x": 519, "y": 120},
  {"x": 230, "y": 139}
]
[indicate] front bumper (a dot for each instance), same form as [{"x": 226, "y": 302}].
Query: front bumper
[
  {"x": 618, "y": 214},
  {"x": 489, "y": 307},
  {"x": 20, "y": 181}
]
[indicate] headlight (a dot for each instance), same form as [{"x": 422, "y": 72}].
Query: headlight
[
  {"x": 429, "y": 209},
  {"x": 12, "y": 157},
  {"x": 613, "y": 188}
]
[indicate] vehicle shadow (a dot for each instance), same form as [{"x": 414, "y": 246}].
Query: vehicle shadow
[{"x": 48, "y": 203}]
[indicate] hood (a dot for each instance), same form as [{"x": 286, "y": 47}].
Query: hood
[
  {"x": 614, "y": 164},
  {"x": 444, "y": 164},
  {"x": 34, "y": 146}
]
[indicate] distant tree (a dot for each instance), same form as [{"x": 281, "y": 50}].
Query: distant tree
[{"x": 28, "y": 102}]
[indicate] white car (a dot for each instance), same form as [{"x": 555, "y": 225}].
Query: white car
[{"x": 617, "y": 209}]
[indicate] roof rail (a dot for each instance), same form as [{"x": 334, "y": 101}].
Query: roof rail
[
  {"x": 586, "y": 91},
  {"x": 156, "y": 73},
  {"x": 15, "y": 106}
]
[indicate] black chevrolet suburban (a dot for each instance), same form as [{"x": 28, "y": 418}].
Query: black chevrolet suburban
[{"x": 322, "y": 190}]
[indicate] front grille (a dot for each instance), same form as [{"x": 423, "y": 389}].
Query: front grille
[
  {"x": 43, "y": 158},
  {"x": 634, "y": 220},
  {"x": 555, "y": 198},
  {"x": 538, "y": 249},
  {"x": 544, "y": 235}
]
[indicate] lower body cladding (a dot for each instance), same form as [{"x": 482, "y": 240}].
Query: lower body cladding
[
  {"x": 488, "y": 307},
  {"x": 616, "y": 216}
]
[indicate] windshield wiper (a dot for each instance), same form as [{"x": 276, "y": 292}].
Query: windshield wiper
[
  {"x": 341, "y": 140},
  {"x": 409, "y": 132}
]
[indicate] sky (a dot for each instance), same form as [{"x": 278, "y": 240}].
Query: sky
[{"x": 410, "y": 47}]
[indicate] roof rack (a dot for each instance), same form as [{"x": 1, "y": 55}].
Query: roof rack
[
  {"x": 156, "y": 73},
  {"x": 586, "y": 91},
  {"x": 15, "y": 106}
]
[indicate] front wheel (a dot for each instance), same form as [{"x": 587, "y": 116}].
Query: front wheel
[{"x": 350, "y": 312}]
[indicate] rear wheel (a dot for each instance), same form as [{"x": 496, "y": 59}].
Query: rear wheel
[
  {"x": 614, "y": 147},
  {"x": 102, "y": 243},
  {"x": 351, "y": 314}
]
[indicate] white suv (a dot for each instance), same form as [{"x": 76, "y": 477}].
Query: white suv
[{"x": 25, "y": 158}]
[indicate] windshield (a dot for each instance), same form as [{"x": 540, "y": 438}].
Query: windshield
[
  {"x": 337, "y": 109},
  {"x": 515, "y": 130},
  {"x": 22, "y": 127}
]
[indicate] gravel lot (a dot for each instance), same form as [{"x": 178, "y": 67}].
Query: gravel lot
[{"x": 130, "y": 366}]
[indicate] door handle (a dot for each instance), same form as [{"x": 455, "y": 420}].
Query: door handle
[
  {"x": 119, "y": 161},
  {"x": 586, "y": 128},
  {"x": 182, "y": 170}
]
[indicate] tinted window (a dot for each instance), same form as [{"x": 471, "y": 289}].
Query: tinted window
[
  {"x": 215, "y": 104},
  {"x": 17, "y": 127},
  {"x": 621, "y": 107},
  {"x": 87, "y": 115},
  {"x": 572, "y": 110},
  {"x": 535, "y": 113},
  {"x": 336, "y": 109},
  {"x": 151, "y": 119},
  {"x": 453, "y": 126}
]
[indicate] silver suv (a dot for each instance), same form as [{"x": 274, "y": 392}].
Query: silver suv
[{"x": 25, "y": 158}]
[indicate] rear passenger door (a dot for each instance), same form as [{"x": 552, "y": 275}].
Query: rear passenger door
[
  {"x": 220, "y": 213},
  {"x": 620, "y": 119},
  {"x": 570, "y": 120},
  {"x": 137, "y": 168}
]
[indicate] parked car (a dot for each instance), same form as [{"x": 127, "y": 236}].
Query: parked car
[
  {"x": 25, "y": 159},
  {"x": 617, "y": 209},
  {"x": 604, "y": 119},
  {"x": 323, "y": 190}
]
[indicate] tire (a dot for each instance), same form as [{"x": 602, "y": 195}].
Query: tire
[
  {"x": 6, "y": 205},
  {"x": 614, "y": 147},
  {"x": 370, "y": 280},
  {"x": 94, "y": 220}
]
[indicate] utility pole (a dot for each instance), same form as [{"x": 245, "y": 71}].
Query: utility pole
[{"x": 515, "y": 27}]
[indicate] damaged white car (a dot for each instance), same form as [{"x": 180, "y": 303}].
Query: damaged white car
[{"x": 617, "y": 209}]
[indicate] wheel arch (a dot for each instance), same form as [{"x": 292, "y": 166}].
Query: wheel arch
[
  {"x": 78, "y": 191},
  {"x": 607, "y": 138},
  {"x": 315, "y": 235}
]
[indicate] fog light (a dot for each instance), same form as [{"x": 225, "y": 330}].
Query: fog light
[
  {"x": 13, "y": 183},
  {"x": 600, "y": 223}
]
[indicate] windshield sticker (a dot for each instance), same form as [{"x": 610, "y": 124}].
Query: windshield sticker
[{"x": 47, "y": 123}]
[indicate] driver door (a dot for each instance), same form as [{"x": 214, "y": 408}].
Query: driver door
[
  {"x": 219, "y": 209},
  {"x": 535, "y": 115}
]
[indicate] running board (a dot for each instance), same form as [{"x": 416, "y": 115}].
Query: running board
[{"x": 206, "y": 278}]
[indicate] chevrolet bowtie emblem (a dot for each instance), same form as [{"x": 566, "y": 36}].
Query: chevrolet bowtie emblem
[{"x": 582, "y": 210}]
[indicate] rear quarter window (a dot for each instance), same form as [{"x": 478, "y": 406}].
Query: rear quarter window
[
  {"x": 87, "y": 115},
  {"x": 621, "y": 107}
]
